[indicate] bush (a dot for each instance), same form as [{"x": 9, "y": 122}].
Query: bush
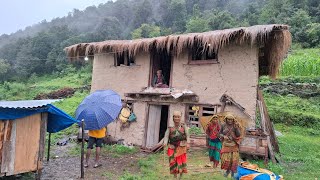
[
  {"x": 195, "y": 131},
  {"x": 295, "y": 118}
]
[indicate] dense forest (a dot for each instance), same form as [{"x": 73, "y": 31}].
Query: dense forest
[{"x": 38, "y": 49}]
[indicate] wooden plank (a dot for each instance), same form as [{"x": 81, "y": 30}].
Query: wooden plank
[
  {"x": 2, "y": 129},
  {"x": 42, "y": 143},
  {"x": 269, "y": 125},
  {"x": 273, "y": 159},
  {"x": 8, "y": 152},
  {"x": 27, "y": 143},
  {"x": 263, "y": 125},
  {"x": 146, "y": 125},
  {"x": 252, "y": 151},
  {"x": 153, "y": 125}
]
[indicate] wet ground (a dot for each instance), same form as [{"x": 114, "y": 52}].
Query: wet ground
[{"x": 65, "y": 166}]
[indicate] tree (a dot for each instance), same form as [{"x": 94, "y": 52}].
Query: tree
[
  {"x": 109, "y": 28},
  {"x": 221, "y": 20},
  {"x": 298, "y": 23},
  {"x": 196, "y": 23},
  {"x": 143, "y": 13},
  {"x": 174, "y": 15},
  {"x": 313, "y": 33},
  {"x": 4, "y": 69},
  {"x": 146, "y": 31},
  {"x": 251, "y": 15}
]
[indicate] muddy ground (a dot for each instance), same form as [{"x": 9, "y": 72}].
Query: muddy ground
[{"x": 64, "y": 166}]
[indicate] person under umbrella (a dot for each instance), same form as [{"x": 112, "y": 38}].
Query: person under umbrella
[
  {"x": 95, "y": 137},
  {"x": 98, "y": 110}
]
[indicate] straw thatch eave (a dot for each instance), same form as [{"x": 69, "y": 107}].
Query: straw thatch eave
[{"x": 277, "y": 35}]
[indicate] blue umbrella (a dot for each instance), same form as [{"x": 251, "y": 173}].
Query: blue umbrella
[{"x": 99, "y": 109}]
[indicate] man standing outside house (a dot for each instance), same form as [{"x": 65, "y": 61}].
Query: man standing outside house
[{"x": 95, "y": 137}]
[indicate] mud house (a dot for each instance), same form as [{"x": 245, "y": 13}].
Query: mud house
[{"x": 201, "y": 69}]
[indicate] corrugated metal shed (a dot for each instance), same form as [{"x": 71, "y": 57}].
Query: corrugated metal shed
[{"x": 26, "y": 104}]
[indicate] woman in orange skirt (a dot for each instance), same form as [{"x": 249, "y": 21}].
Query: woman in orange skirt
[
  {"x": 230, "y": 133},
  {"x": 177, "y": 139}
]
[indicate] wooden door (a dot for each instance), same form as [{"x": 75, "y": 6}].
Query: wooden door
[{"x": 153, "y": 125}]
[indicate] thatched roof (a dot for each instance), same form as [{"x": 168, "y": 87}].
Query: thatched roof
[{"x": 275, "y": 37}]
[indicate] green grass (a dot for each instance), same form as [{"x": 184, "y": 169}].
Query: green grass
[
  {"x": 292, "y": 110},
  {"x": 45, "y": 84},
  {"x": 302, "y": 62},
  {"x": 195, "y": 131},
  {"x": 154, "y": 167},
  {"x": 108, "y": 175},
  {"x": 69, "y": 105},
  {"x": 300, "y": 153},
  {"x": 115, "y": 151},
  {"x": 119, "y": 150}
]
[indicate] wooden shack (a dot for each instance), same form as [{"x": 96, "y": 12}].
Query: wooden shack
[
  {"x": 22, "y": 143},
  {"x": 23, "y": 127}
]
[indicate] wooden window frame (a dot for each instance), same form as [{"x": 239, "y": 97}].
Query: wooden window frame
[
  {"x": 126, "y": 60},
  {"x": 201, "y": 112},
  {"x": 192, "y": 61}
]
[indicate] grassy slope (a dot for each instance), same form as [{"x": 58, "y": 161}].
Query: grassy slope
[
  {"x": 302, "y": 62},
  {"x": 300, "y": 146},
  {"x": 36, "y": 85}
]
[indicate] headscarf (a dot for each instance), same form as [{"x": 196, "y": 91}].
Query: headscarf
[
  {"x": 177, "y": 113},
  {"x": 214, "y": 117},
  {"x": 229, "y": 116}
]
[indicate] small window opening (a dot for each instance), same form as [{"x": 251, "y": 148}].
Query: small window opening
[
  {"x": 200, "y": 53},
  {"x": 124, "y": 59},
  {"x": 196, "y": 111}
]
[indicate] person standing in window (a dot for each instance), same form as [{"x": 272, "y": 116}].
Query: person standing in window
[{"x": 159, "y": 81}]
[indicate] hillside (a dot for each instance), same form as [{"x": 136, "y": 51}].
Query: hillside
[
  {"x": 38, "y": 50},
  {"x": 293, "y": 103}
]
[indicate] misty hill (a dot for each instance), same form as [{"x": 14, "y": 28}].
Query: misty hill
[{"x": 38, "y": 49}]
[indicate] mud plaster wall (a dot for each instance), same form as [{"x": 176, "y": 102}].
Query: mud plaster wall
[
  {"x": 236, "y": 75},
  {"x": 123, "y": 79},
  {"x": 135, "y": 132}
]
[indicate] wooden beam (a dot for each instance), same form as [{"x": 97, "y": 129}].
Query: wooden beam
[
  {"x": 82, "y": 148},
  {"x": 42, "y": 142},
  {"x": 9, "y": 148},
  {"x": 269, "y": 125},
  {"x": 49, "y": 144},
  {"x": 263, "y": 125}
]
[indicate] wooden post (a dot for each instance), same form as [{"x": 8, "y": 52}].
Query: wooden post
[
  {"x": 82, "y": 148},
  {"x": 49, "y": 142},
  {"x": 263, "y": 125}
]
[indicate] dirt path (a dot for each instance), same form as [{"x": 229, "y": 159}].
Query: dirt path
[{"x": 66, "y": 167}]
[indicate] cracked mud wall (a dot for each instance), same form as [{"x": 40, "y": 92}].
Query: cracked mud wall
[
  {"x": 236, "y": 74},
  {"x": 123, "y": 79}
]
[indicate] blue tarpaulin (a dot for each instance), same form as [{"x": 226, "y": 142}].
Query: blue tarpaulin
[
  {"x": 256, "y": 174},
  {"x": 57, "y": 119}
]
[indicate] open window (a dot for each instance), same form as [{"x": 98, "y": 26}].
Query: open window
[
  {"x": 160, "y": 60},
  {"x": 123, "y": 59},
  {"x": 196, "y": 111},
  {"x": 200, "y": 54}
]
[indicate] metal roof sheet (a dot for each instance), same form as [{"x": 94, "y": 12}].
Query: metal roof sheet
[{"x": 27, "y": 104}]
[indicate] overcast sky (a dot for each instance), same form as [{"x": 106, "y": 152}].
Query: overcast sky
[{"x": 18, "y": 14}]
